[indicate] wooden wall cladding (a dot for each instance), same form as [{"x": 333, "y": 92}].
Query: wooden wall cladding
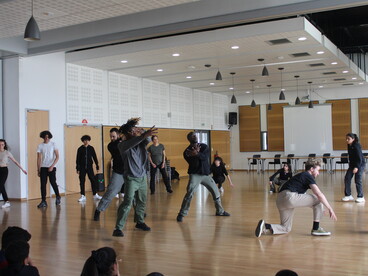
[
  {"x": 363, "y": 123},
  {"x": 220, "y": 143},
  {"x": 275, "y": 127},
  {"x": 249, "y": 128}
]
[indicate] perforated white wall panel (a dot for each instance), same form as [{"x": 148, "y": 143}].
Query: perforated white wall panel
[
  {"x": 181, "y": 101},
  {"x": 220, "y": 111},
  {"x": 202, "y": 107}
]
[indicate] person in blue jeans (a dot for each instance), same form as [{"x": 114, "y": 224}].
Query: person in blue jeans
[{"x": 356, "y": 167}]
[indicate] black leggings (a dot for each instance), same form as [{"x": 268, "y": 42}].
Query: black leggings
[
  {"x": 44, "y": 173},
  {"x": 219, "y": 180},
  {"x": 82, "y": 180},
  {"x": 3, "y": 176}
]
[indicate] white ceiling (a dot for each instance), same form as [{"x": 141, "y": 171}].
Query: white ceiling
[
  {"x": 52, "y": 14},
  {"x": 214, "y": 48}
]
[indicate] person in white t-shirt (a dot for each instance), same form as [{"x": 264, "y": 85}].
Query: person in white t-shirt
[
  {"x": 47, "y": 157},
  {"x": 5, "y": 155}
]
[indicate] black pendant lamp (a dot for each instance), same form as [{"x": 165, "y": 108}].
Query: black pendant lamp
[
  {"x": 218, "y": 75},
  {"x": 265, "y": 70},
  {"x": 297, "y": 100},
  {"x": 269, "y": 108},
  {"x": 310, "y": 105},
  {"x": 233, "y": 99},
  {"x": 282, "y": 95},
  {"x": 32, "y": 32},
  {"x": 253, "y": 104}
]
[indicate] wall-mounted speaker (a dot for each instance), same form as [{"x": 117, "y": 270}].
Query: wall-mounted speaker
[{"x": 233, "y": 118}]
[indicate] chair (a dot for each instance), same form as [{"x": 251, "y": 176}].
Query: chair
[
  {"x": 343, "y": 160},
  {"x": 276, "y": 161},
  {"x": 310, "y": 156},
  {"x": 254, "y": 162},
  {"x": 325, "y": 162},
  {"x": 288, "y": 161}
]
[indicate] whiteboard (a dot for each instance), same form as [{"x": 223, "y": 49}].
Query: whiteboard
[{"x": 308, "y": 130}]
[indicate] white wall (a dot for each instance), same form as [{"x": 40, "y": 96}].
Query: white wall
[{"x": 239, "y": 159}]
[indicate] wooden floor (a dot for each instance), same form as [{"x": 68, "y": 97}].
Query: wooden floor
[{"x": 63, "y": 237}]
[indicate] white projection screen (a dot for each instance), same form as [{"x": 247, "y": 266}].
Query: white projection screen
[{"x": 308, "y": 130}]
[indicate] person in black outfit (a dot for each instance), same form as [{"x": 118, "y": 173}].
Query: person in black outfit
[
  {"x": 85, "y": 156},
  {"x": 285, "y": 174},
  {"x": 197, "y": 156},
  {"x": 18, "y": 260},
  {"x": 219, "y": 172},
  {"x": 356, "y": 167},
  {"x": 101, "y": 262}
]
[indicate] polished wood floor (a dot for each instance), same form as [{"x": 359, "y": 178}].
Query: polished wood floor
[{"x": 63, "y": 237}]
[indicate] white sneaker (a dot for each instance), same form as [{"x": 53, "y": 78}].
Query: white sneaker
[
  {"x": 348, "y": 198},
  {"x": 360, "y": 200},
  {"x": 97, "y": 197},
  {"x": 117, "y": 196},
  {"x": 82, "y": 198},
  {"x": 121, "y": 195},
  {"x": 222, "y": 189},
  {"x": 320, "y": 232},
  {"x": 6, "y": 205}
]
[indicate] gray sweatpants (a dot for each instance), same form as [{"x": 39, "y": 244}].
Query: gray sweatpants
[
  {"x": 286, "y": 203},
  {"x": 207, "y": 181},
  {"x": 116, "y": 182}
]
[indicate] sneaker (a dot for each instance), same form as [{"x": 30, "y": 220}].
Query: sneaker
[
  {"x": 179, "y": 218},
  {"x": 224, "y": 214},
  {"x": 97, "y": 197},
  {"x": 348, "y": 198},
  {"x": 260, "y": 228},
  {"x": 169, "y": 190},
  {"x": 142, "y": 226},
  {"x": 82, "y": 198},
  {"x": 57, "y": 201},
  {"x": 43, "y": 204},
  {"x": 272, "y": 189},
  {"x": 6, "y": 205},
  {"x": 221, "y": 189},
  {"x": 320, "y": 232},
  {"x": 360, "y": 200},
  {"x": 118, "y": 233},
  {"x": 96, "y": 216},
  {"x": 121, "y": 195},
  {"x": 117, "y": 196}
]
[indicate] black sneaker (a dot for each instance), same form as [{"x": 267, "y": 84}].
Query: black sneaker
[
  {"x": 272, "y": 188},
  {"x": 179, "y": 218},
  {"x": 224, "y": 214},
  {"x": 57, "y": 201},
  {"x": 96, "y": 216},
  {"x": 260, "y": 228},
  {"x": 118, "y": 233},
  {"x": 169, "y": 190},
  {"x": 43, "y": 204},
  {"x": 142, "y": 226}
]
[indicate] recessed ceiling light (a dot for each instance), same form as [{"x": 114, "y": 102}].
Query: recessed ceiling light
[
  {"x": 320, "y": 53},
  {"x": 360, "y": 83},
  {"x": 345, "y": 71},
  {"x": 302, "y": 38},
  {"x": 212, "y": 83},
  {"x": 191, "y": 67},
  {"x": 354, "y": 78},
  {"x": 124, "y": 61},
  {"x": 247, "y": 92},
  {"x": 160, "y": 70},
  {"x": 188, "y": 77},
  {"x": 231, "y": 88},
  {"x": 234, "y": 47},
  {"x": 333, "y": 63},
  {"x": 280, "y": 57},
  {"x": 176, "y": 55},
  {"x": 321, "y": 86}
]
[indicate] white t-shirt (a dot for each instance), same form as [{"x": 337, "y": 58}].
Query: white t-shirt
[
  {"x": 4, "y": 158},
  {"x": 48, "y": 153}
]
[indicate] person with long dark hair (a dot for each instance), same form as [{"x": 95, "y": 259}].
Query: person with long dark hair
[
  {"x": 285, "y": 173},
  {"x": 356, "y": 167},
  {"x": 219, "y": 173},
  {"x": 5, "y": 155},
  {"x": 102, "y": 262}
]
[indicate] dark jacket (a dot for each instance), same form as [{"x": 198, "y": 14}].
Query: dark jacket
[
  {"x": 283, "y": 175},
  {"x": 85, "y": 158},
  {"x": 117, "y": 161},
  {"x": 198, "y": 164},
  {"x": 356, "y": 158},
  {"x": 23, "y": 270}
]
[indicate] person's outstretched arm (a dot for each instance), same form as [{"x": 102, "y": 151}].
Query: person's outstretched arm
[
  {"x": 321, "y": 197},
  {"x": 16, "y": 163}
]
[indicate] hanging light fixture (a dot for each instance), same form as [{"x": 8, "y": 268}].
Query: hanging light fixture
[
  {"x": 282, "y": 95},
  {"x": 218, "y": 75},
  {"x": 32, "y": 32},
  {"x": 233, "y": 99},
  {"x": 297, "y": 100},
  {"x": 253, "y": 104},
  {"x": 310, "y": 105},
  {"x": 265, "y": 70},
  {"x": 269, "y": 108}
]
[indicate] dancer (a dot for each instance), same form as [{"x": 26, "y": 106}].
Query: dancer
[
  {"x": 219, "y": 172},
  {"x": 101, "y": 262},
  {"x": 47, "y": 157},
  {"x": 135, "y": 160},
  {"x": 293, "y": 195},
  {"x": 5, "y": 155},
  {"x": 356, "y": 167},
  {"x": 86, "y": 154},
  {"x": 117, "y": 179},
  {"x": 285, "y": 174},
  {"x": 157, "y": 156},
  {"x": 197, "y": 155}
]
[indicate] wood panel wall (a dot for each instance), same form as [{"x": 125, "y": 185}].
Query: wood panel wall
[
  {"x": 341, "y": 122},
  {"x": 275, "y": 127},
  {"x": 363, "y": 122},
  {"x": 249, "y": 128},
  {"x": 220, "y": 143}
]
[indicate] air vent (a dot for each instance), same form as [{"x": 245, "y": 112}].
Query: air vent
[
  {"x": 296, "y": 55},
  {"x": 279, "y": 41},
  {"x": 316, "y": 64},
  {"x": 347, "y": 84},
  {"x": 329, "y": 73},
  {"x": 341, "y": 79}
]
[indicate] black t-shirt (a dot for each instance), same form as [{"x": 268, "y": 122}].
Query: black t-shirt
[
  {"x": 299, "y": 183},
  {"x": 117, "y": 161},
  {"x": 24, "y": 270},
  {"x": 283, "y": 175},
  {"x": 219, "y": 171},
  {"x": 198, "y": 164}
]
